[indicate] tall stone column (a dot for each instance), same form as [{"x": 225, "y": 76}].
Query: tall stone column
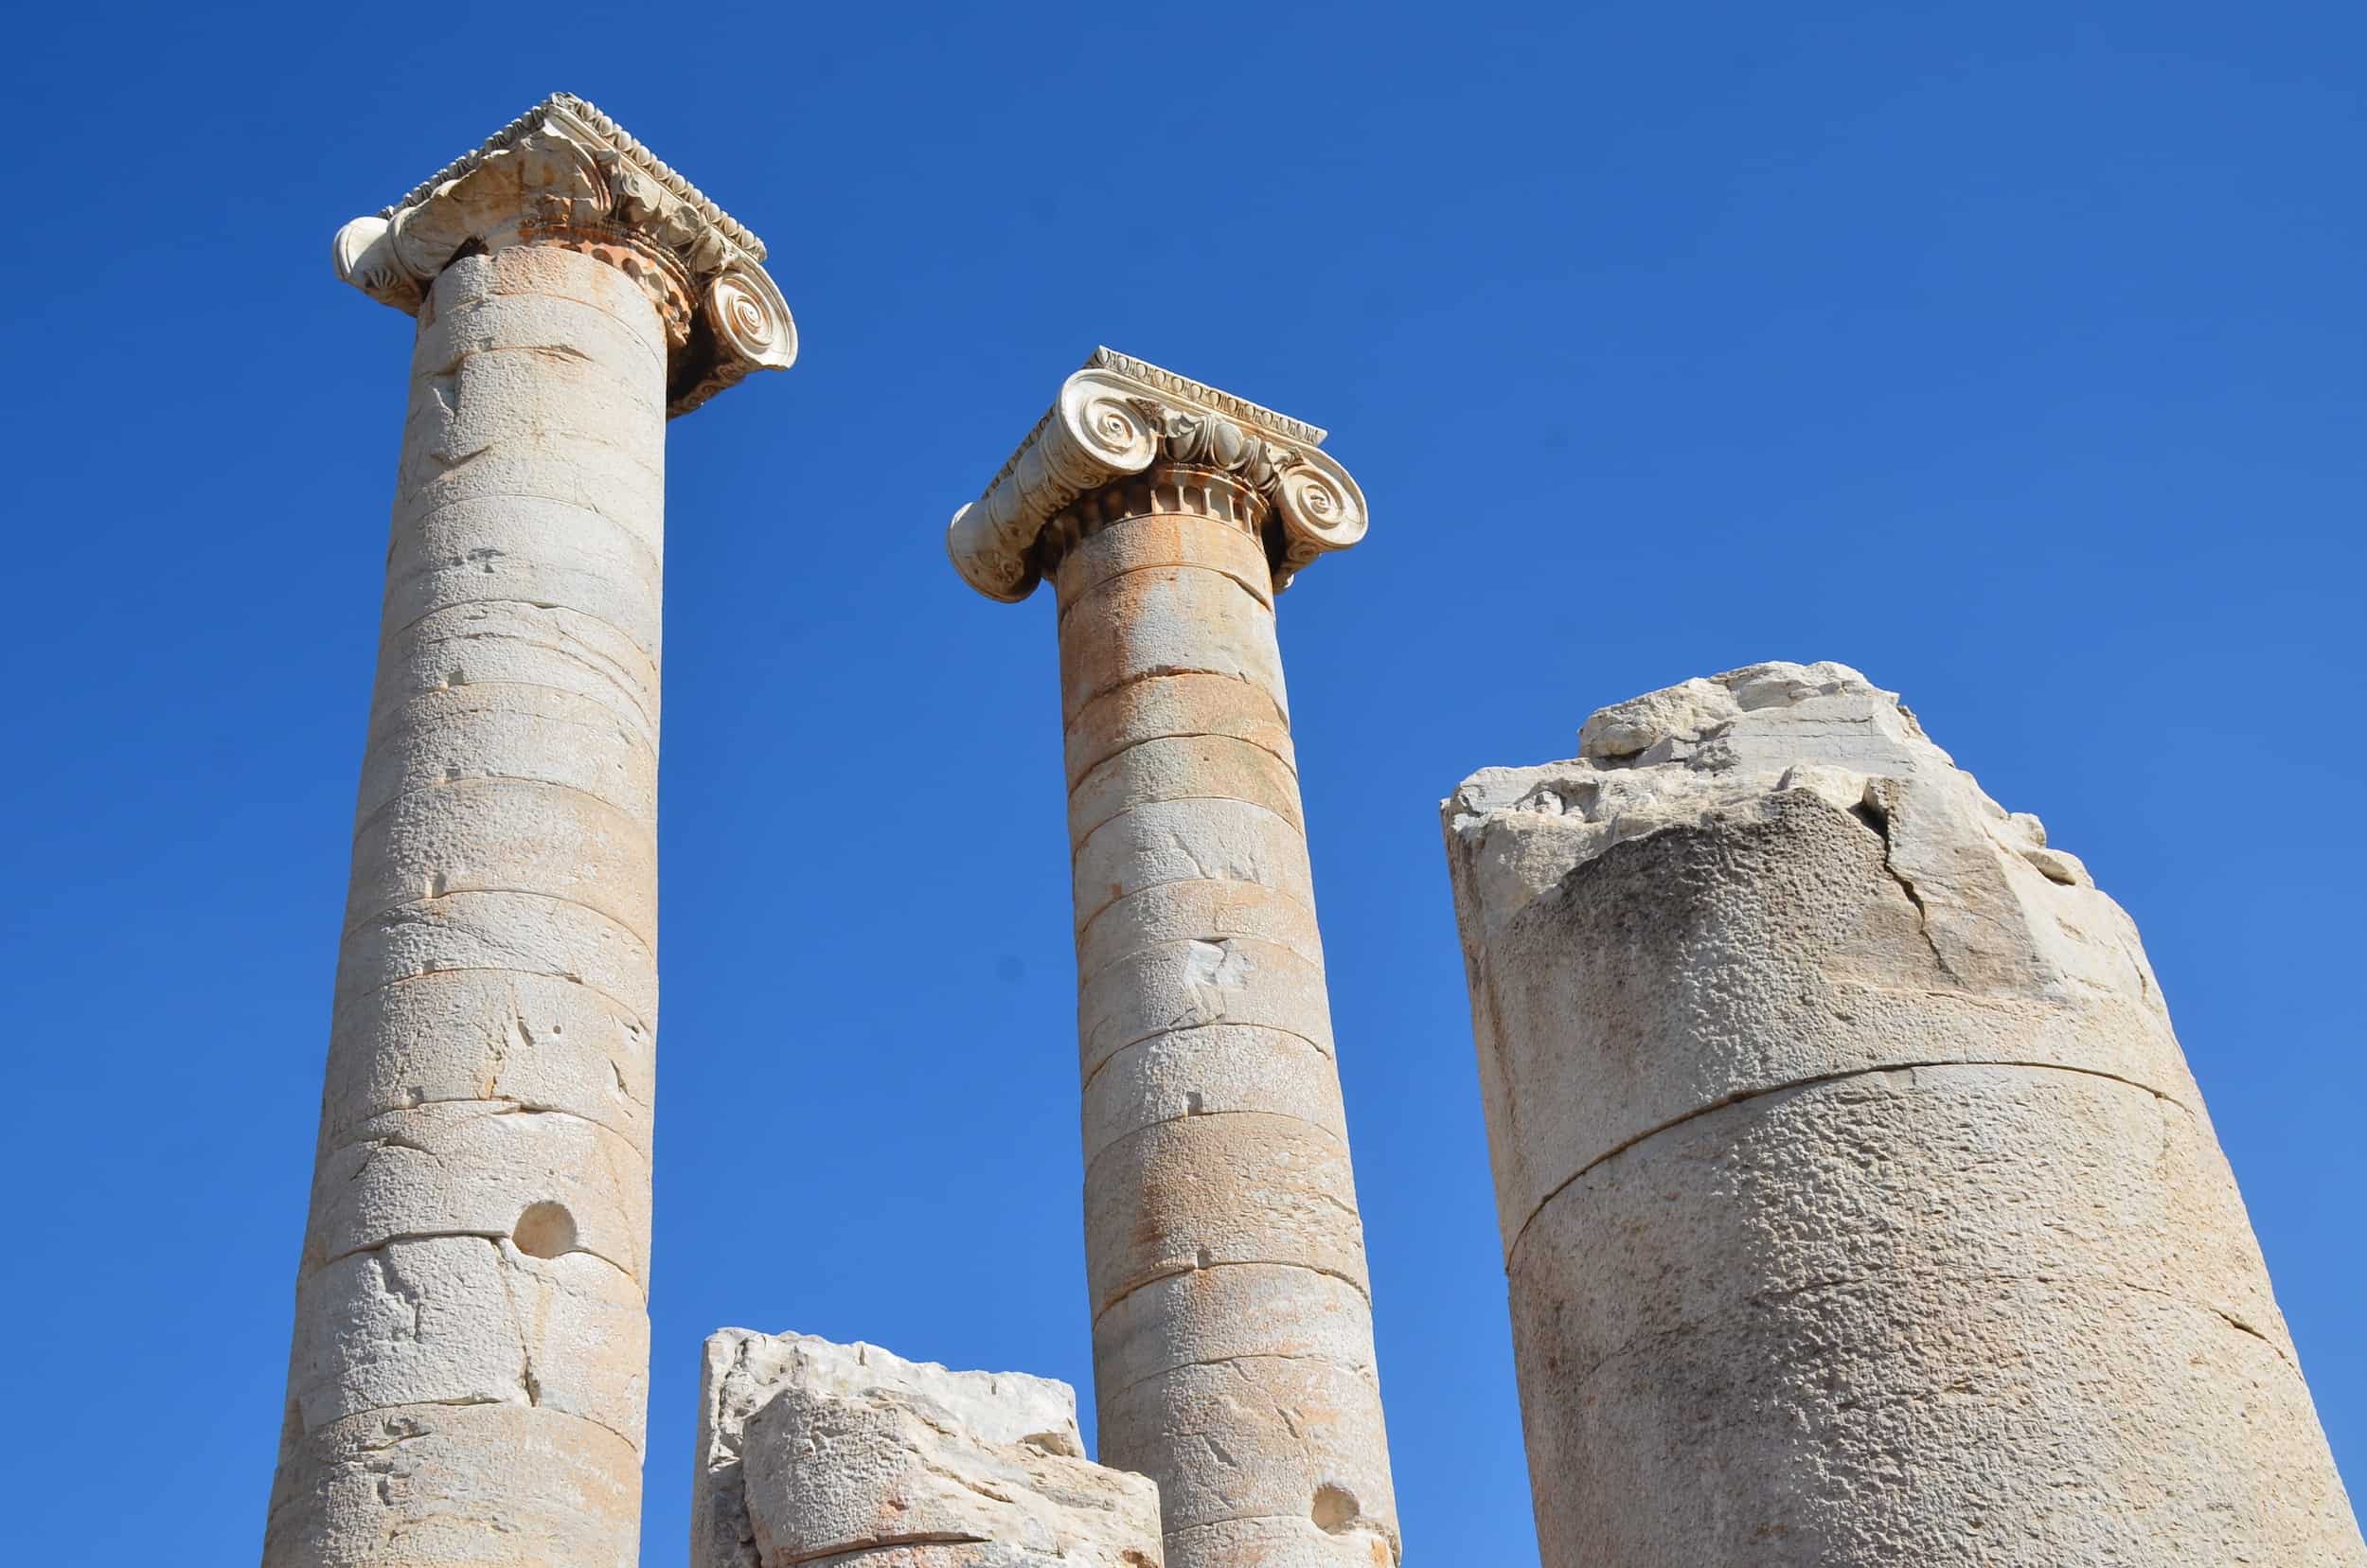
[
  {"x": 1858, "y": 1207},
  {"x": 1233, "y": 1343},
  {"x": 472, "y": 1338}
]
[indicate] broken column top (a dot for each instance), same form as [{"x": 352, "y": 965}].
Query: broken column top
[
  {"x": 564, "y": 173},
  {"x": 1680, "y": 755},
  {"x": 1120, "y": 417},
  {"x": 812, "y": 1450}
]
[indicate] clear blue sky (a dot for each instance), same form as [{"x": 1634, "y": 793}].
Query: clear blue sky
[{"x": 2011, "y": 353}]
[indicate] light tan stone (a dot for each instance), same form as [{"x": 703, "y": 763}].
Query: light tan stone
[
  {"x": 1294, "y": 1542},
  {"x": 1197, "y": 767},
  {"x": 506, "y": 835},
  {"x": 811, "y": 1452},
  {"x": 1859, "y": 1206},
  {"x": 1258, "y": 1437},
  {"x": 1176, "y": 841},
  {"x": 510, "y": 731},
  {"x": 1217, "y": 1190},
  {"x": 1196, "y": 911},
  {"x": 1162, "y": 622},
  {"x": 1222, "y": 1236},
  {"x": 1194, "y": 984},
  {"x": 1230, "y": 1311},
  {"x": 480, "y": 1168},
  {"x": 443, "y": 1486},
  {"x": 1168, "y": 706},
  {"x": 468, "y": 1320},
  {"x": 507, "y": 644},
  {"x": 502, "y": 549},
  {"x": 503, "y": 933},
  {"x": 533, "y": 1040},
  {"x": 1150, "y": 543},
  {"x": 468, "y": 1369},
  {"x": 1215, "y": 1071}
]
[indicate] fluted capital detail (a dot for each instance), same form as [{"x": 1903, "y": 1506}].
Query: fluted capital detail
[
  {"x": 1115, "y": 419},
  {"x": 564, "y": 173}
]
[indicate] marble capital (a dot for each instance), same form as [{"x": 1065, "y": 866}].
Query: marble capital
[
  {"x": 1120, "y": 419},
  {"x": 564, "y": 174}
]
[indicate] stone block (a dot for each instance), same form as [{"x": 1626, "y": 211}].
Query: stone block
[{"x": 810, "y": 1452}]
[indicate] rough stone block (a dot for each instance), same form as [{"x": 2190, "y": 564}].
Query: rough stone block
[{"x": 810, "y": 1452}]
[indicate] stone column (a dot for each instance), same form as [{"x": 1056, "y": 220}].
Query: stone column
[
  {"x": 845, "y": 1456},
  {"x": 1231, "y": 1320},
  {"x": 470, "y": 1348},
  {"x": 1858, "y": 1207}
]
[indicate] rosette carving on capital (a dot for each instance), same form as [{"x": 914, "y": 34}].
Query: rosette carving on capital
[
  {"x": 1119, "y": 417},
  {"x": 565, "y": 174}
]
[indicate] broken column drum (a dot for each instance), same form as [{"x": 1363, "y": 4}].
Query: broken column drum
[
  {"x": 471, "y": 1350},
  {"x": 1858, "y": 1207},
  {"x": 1231, "y": 1320}
]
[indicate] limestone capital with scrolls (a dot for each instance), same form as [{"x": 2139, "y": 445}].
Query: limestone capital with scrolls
[
  {"x": 564, "y": 173},
  {"x": 1120, "y": 419}
]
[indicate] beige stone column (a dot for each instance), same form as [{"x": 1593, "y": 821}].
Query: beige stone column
[
  {"x": 1232, "y": 1317},
  {"x": 472, "y": 1338},
  {"x": 1858, "y": 1207}
]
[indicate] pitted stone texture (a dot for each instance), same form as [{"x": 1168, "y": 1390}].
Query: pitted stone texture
[
  {"x": 1259, "y": 1437},
  {"x": 471, "y": 1358},
  {"x": 811, "y": 1452},
  {"x": 1287, "y": 1544},
  {"x": 1859, "y": 1206},
  {"x": 471, "y": 1321},
  {"x": 433, "y": 1485}
]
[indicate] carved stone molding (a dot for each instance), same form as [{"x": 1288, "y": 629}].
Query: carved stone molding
[
  {"x": 1215, "y": 454},
  {"x": 564, "y": 173}
]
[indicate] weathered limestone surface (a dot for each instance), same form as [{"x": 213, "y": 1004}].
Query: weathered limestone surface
[
  {"x": 1233, "y": 1321},
  {"x": 467, "y": 1379},
  {"x": 815, "y": 1453},
  {"x": 1858, "y": 1206}
]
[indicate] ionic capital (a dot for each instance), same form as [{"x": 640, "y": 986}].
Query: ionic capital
[
  {"x": 565, "y": 174},
  {"x": 1120, "y": 419}
]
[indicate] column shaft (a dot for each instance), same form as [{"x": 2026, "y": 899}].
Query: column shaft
[
  {"x": 1859, "y": 1206},
  {"x": 1233, "y": 1330},
  {"x": 466, "y": 1383}
]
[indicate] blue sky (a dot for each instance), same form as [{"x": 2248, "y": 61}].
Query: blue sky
[{"x": 2010, "y": 352}]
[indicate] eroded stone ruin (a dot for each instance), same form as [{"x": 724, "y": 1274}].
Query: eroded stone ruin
[{"x": 1858, "y": 1206}]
